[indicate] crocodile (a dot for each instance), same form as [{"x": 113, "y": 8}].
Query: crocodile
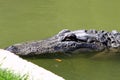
[{"x": 67, "y": 41}]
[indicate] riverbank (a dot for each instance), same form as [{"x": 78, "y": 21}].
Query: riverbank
[{"x": 25, "y": 69}]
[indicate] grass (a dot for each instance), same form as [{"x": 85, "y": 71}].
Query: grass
[{"x": 8, "y": 75}]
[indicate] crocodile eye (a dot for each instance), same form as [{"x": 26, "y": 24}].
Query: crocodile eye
[{"x": 70, "y": 37}]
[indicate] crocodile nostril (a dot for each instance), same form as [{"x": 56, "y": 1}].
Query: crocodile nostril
[{"x": 12, "y": 49}]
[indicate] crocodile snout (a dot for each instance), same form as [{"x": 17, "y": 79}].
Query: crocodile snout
[{"x": 12, "y": 49}]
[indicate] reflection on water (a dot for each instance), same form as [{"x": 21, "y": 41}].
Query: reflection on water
[{"x": 80, "y": 66}]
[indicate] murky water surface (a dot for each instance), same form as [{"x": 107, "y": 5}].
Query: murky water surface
[{"x": 24, "y": 20}]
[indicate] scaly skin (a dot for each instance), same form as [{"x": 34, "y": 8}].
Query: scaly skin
[{"x": 67, "y": 41}]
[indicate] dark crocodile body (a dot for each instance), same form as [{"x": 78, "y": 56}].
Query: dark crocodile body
[{"x": 67, "y": 41}]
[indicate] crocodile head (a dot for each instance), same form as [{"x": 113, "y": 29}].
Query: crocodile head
[
  {"x": 79, "y": 41},
  {"x": 65, "y": 41}
]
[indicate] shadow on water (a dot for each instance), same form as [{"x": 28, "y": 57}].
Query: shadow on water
[
  {"x": 82, "y": 66},
  {"x": 90, "y": 55},
  {"x": 58, "y": 55}
]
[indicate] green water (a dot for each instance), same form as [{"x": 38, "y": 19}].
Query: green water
[{"x": 24, "y": 20}]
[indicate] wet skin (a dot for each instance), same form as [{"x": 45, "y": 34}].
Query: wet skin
[{"x": 67, "y": 41}]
